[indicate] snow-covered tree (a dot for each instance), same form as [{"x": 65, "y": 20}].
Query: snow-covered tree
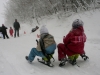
[{"x": 26, "y": 10}]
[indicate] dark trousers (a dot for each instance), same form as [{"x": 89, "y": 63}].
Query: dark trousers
[
  {"x": 5, "y": 34},
  {"x": 16, "y": 31}
]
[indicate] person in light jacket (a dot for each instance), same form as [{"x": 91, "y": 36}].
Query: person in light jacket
[{"x": 45, "y": 46}]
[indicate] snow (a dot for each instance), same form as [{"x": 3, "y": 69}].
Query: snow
[{"x": 14, "y": 50}]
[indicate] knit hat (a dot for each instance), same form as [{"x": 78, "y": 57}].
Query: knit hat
[
  {"x": 77, "y": 23},
  {"x": 43, "y": 30},
  {"x": 2, "y": 24}
]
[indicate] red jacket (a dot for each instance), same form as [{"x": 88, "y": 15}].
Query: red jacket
[
  {"x": 11, "y": 31},
  {"x": 74, "y": 41}
]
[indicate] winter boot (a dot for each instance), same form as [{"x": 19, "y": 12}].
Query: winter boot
[
  {"x": 63, "y": 61},
  {"x": 84, "y": 57},
  {"x": 73, "y": 62},
  {"x": 28, "y": 59}
]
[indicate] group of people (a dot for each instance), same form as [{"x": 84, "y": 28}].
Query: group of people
[
  {"x": 71, "y": 48},
  {"x": 16, "y": 27}
]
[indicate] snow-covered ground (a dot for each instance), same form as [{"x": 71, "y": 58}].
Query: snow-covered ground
[{"x": 14, "y": 50}]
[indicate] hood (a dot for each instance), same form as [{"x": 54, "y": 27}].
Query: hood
[{"x": 78, "y": 31}]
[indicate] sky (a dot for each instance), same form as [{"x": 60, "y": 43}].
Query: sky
[{"x": 14, "y": 50}]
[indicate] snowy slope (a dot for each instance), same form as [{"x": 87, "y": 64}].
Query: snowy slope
[{"x": 14, "y": 50}]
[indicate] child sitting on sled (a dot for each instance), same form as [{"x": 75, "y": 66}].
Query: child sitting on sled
[
  {"x": 45, "y": 46},
  {"x": 73, "y": 44}
]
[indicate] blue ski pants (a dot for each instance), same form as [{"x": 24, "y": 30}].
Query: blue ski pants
[{"x": 34, "y": 52}]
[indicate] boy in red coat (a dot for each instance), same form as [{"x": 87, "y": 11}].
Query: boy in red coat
[
  {"x": 11, "y": 31},
  {"x": 73, "y": 44}
]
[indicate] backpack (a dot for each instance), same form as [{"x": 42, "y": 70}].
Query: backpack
[{"x": 48, "y": 56}]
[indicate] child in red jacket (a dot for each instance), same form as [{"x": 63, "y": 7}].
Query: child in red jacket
[
  {"x": 11, "y": 31},
  {"x": 73, "y": 44}
]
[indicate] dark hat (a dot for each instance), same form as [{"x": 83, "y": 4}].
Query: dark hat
[{"x": 2, "y": 24}]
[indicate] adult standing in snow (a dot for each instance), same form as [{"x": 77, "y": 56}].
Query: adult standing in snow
[
  {"x": 16, "y": 26},
  {"x": 73, "y": 44},
  {"x": 4, "y": 32},
  {"x": 45, "y": 46}
]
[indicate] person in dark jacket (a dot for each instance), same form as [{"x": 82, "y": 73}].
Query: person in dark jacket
[
  {"x": 16, "y": 26},
  {"x": 4, "y": 32},
  {"x": 73, "y": 44}
]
